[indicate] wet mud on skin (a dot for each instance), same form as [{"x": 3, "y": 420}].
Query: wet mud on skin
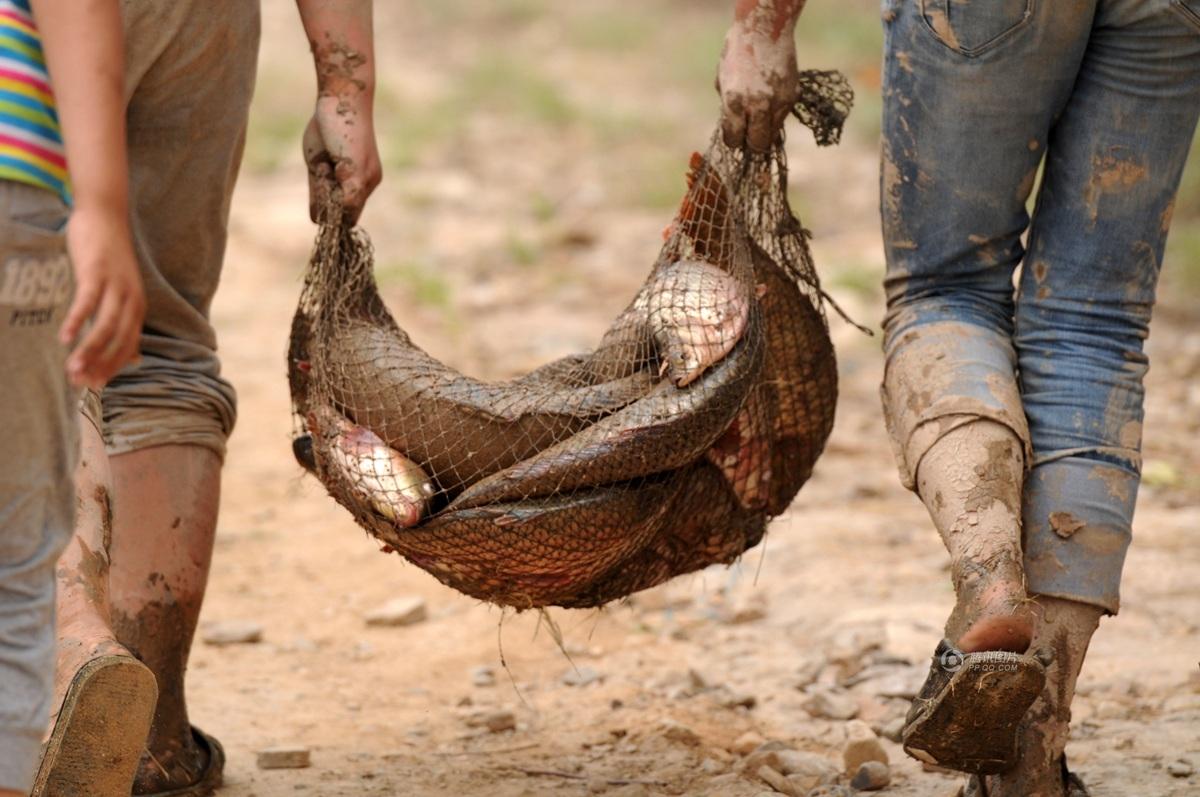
[{"x": 173, "y": 759}]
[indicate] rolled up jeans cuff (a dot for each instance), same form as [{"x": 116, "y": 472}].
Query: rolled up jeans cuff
[
  {"x": 20, "y": 750},
  {"x": 941, "y": 376},
  {"x": 1078, "y": 521},
  {"x": 174, "y": 395}
]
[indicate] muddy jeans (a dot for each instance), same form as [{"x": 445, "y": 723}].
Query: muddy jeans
[
  {"x": 40, "y": 448},
  {"x": 976, "y": 96},
  {"x": 190, "y": 68}
]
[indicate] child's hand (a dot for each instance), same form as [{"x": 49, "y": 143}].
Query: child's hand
[
  {"x": 757, "y": 79},
  {"x": 340, "y": 150},
  {"x": 108, "y": 291}
]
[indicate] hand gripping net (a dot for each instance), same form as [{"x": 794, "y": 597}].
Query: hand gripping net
[{"x": 697, "y": 417}]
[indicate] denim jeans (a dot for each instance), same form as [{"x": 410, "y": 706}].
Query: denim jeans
[{"x": 1103, "y": 95}]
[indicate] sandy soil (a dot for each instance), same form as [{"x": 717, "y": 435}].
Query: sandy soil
[{"x": 655, "y": 690}]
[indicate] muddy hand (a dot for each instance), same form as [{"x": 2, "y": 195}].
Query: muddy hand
[
  {"x": 757, "y": 75},
  {"x": 341, "y": 154},
  {"x": 394, "y": 486},
  {"x": 697, "y": 316}
]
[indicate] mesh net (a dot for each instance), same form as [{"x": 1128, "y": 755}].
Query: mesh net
[{"x": 697, "y": 417}]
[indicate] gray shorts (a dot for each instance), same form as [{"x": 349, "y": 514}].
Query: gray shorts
[
  {"x": 190, "y": 69},
  {"x": 41, "y": 440}
]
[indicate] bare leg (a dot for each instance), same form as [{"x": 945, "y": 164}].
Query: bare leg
[
  {"x": 84, "y": 623},
  {"x": 1063, "y": 629},
  {"x": 163, "y": 532},
  {"x": 970, "y": 480}
]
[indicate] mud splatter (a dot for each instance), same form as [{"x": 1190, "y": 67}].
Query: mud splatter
[
  {"x": 1112, "y": 173},
  {"x": 1065, "y": 524}
]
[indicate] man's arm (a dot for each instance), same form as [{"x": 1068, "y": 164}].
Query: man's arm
[
  {"x": 339, "y": 143},
  {"x": 757, "y": 74},
  {"x": 84, "y": 49}
]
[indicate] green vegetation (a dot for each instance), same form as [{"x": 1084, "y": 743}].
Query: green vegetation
[{"x": 419, "y": 280}]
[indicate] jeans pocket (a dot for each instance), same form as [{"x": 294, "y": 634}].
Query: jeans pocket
[
  {"x": 972, "y": 27},
  {"x": 1189, "y": 10}
]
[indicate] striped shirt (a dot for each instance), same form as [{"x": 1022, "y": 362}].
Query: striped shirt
[{"x": 31, "y": 146}]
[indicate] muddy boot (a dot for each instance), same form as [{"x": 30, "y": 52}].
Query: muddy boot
[
  {"x": 1062, "y": 632},
  {"x": 162, "y": 547},
  {"x": 981, "y": 683},
  {"x": 104, "y": 697}
]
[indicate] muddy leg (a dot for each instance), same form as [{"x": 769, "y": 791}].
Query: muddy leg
[
  {"x": 970, "y": 480},
  {"x": 1063, "y": 630},
  {"x": 84, "y": 622},
  {"x": 163, "y": 534}
]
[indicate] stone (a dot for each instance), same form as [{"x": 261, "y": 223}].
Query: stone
[
  {"x": 680, "y": 734},
  {"x": 892, "y": 729},
  {"x": 795, "y": 763},
  {"x": 284, "y": 757},
  {"x": 747, "y": 743},
  {"x": 398, "y": 612},
  {"x": 750, "y": 613},
  {"x": 496, "y": 720},
  {"x": 827, "y": 704},
  {"x": 581, "y": 676},
  {"x": 483, "y": 676},
  {"x": 232, "y": 632},
  {"x": 871, "y": 776},
  {"x": 1180, "y": 768},
  {"x": 862, "y": 745},
  {"x": 777, "y": 781}
]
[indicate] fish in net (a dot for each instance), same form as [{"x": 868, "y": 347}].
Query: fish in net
[{"x": 667, "y": 448}]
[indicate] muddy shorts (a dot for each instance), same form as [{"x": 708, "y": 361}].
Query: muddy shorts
[
  {"x": 1105, "y": 94},
  {"x": 37, "y": 494},
  {"x": 189, "y": 79}
]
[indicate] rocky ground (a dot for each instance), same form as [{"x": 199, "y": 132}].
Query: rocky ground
[{"x": 517, "y": 228}]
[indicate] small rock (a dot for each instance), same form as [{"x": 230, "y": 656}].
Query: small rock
[
  {"x": 892, "y": 729},
  {"x": 398, "y": 612},
  {"x": 233, "y": 632},
  {"x": 777, "y": 781},
  {"x": 827, "y": 704},
  {"x": 483, "y": 676},
  {"x": 862, "y": 745},
  {"x": 597, "y": 785},
  {"x": 750, "y": 613},
  {"x": 496, "y": 721},
  {"x": 581, "y": 676},
  {"x": 728, "y": 699},
  {"x": 710, "y": 767},
  {"x": 871, "y": 776},
  {"x": 680, "y": 734},
  {"x": 747, "y": 743},
  {"x": 284, "y": 757},
  {"x": 796, "y": 764},
  {"x": 1180, "y": 768}
]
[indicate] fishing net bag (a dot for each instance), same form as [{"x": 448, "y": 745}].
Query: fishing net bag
[{"x": 667, "y": 448}]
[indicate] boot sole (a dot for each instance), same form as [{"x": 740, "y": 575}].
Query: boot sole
[
  {"x": 971, "y": 725},
  {"x": 100, "y": 732}
]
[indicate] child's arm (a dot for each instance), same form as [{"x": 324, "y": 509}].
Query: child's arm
[
  {"x": 83, "y": 45},
  {"x": 339, "y": 143},
  {"x": 757, "y": 75}
]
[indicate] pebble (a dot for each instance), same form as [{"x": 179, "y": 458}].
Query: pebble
[
  {"x": 1180, "y": 768},
  {"x": 233, "y": 632},
  {"x": 777, "y": 781},
  {"x": 496, "y": 720},
  {"x": 679, "y": 733},
  {"x": 747, "y": 743},
  {"x": 398, "y": 612},
  {"x": 871, "y": 776},
  {"x": 826, "y": 704},
  {"x": 284, "y": 757},
  {"x": 581, "y": 676},
  {"x": 892, "y": 729},
  {"x": 483, "y": 676},
  {"x": 750, "y": 613},
  {"x": 862, "y": 745}
]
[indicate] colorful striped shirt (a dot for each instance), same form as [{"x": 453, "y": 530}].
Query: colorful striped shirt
[{"x": 31, "y": 146}]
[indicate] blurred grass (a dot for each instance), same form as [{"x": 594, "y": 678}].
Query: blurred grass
[{"x": 420, "y": 281}]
